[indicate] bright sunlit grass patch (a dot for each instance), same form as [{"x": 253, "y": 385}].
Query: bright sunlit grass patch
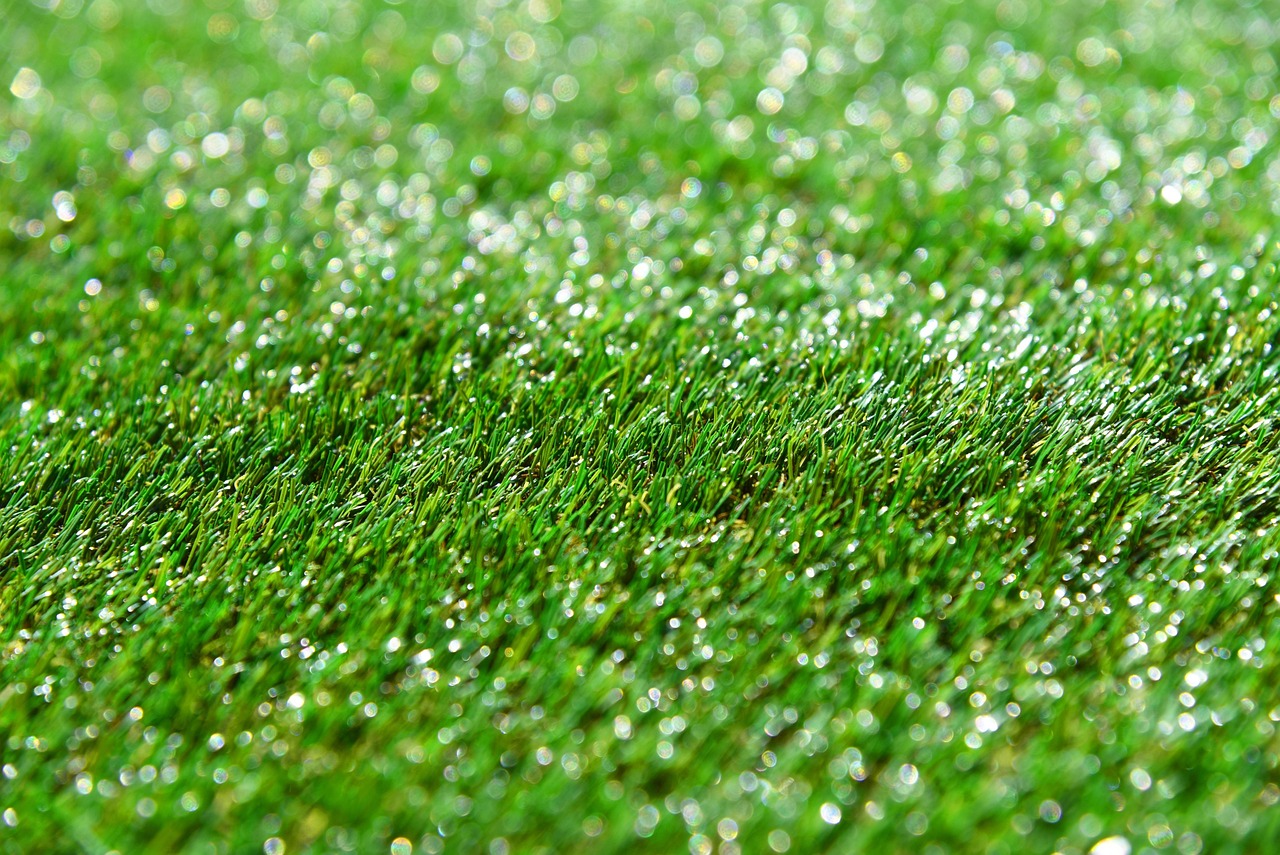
[{"x": 560, "y": 426}]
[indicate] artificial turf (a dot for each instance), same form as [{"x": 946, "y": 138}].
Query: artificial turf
[{"x": 567, "y": 426}]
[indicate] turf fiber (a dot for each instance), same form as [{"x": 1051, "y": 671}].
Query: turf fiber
[{"x": 566, "y": 426}]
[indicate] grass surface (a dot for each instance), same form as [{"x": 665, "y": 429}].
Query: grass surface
[{"x": 560, "y": 426}]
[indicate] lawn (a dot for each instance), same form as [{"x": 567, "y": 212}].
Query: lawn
[{"x": 563, "y": 426}]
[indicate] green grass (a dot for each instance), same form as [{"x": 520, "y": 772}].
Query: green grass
[{"x": 560, "y": 426}]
